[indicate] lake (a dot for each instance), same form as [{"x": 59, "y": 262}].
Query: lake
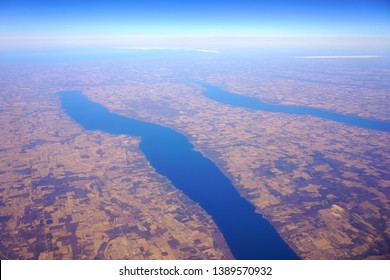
[
  {"x": 225, "y": 97},
  {"x": 247, "y": 233}
]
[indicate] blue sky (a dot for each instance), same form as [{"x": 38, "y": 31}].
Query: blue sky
[{"x": 120, "y": 23}]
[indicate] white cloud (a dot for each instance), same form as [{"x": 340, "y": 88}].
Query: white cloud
[
  {"x": 337, "y": 56},
  {"x": 171, "y": 49}
]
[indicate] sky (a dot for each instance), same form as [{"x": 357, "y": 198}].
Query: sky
[{"x": 180, "y": 23}]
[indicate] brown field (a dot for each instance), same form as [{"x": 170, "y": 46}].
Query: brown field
[{"x": 68, "y": 193}]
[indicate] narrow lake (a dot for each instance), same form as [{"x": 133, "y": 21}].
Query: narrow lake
[
  {"x": 248, "y": 235},
  {"x": 225, "y": 97}
]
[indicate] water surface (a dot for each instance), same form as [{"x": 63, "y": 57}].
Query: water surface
[
  {"x": 248, "y": 235},
  {"x": 225, "y": 97}
]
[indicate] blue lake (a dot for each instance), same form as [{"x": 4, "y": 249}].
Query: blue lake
[
  {"x": 248, "y": 235},
  {"x": 225, "y": 97}
]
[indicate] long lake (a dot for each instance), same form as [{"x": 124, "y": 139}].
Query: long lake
[
  {"x": 248, "y": 235},
  {"x": 225, "y": 97}
]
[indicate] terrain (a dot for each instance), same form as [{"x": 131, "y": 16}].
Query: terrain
[{"x": 68, "y": 193}]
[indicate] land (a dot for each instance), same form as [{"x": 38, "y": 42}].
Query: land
[
  {"x": 71, "y": 194},
  {"x": 324, "y": 186}
]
